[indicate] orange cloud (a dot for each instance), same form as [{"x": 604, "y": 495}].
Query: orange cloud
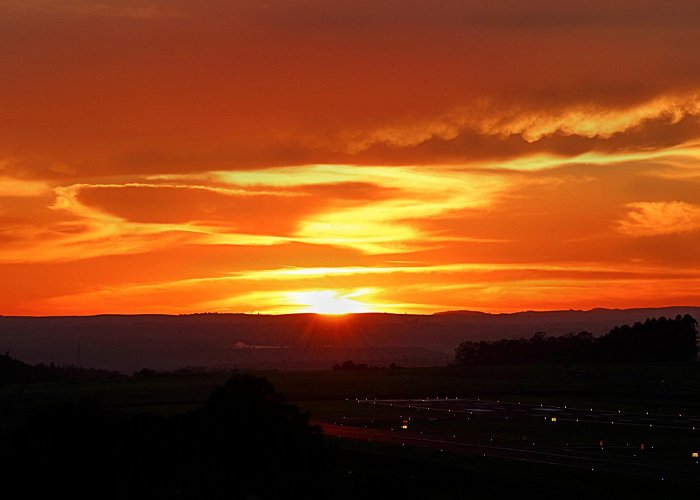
[
  {"x": 590, "y": 121},
  {"x": 658, "y": 218},
  {"x": 18, "y": 187}
]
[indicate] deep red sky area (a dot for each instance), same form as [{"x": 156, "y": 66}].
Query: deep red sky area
[{"x": 403, "y": 156}]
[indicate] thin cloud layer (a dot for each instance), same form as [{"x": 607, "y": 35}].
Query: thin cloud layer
[
  {"x": 220, "y": 85},
  {"x": 588, "y": 121}
]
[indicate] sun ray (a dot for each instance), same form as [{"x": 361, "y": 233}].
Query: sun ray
[{"x": 329, "y": 302}]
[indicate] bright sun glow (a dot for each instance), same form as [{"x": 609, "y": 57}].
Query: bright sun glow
[{"x": 329, "y": 302}]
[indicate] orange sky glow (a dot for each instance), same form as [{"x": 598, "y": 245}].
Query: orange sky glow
[{"x": 384, "y": 155}]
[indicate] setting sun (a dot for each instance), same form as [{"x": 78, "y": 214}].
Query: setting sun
[{"x": 329, "y": 302}]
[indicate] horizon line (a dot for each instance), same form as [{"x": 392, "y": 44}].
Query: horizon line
[{"x": 307, "y": 313}]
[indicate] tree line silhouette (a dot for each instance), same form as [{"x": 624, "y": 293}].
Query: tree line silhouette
[
  {"x": 350, "y": 366},
  {"x": 656, "y": 340}
]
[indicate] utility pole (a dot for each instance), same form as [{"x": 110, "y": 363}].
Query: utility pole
[{"x": 79, "y": 356}]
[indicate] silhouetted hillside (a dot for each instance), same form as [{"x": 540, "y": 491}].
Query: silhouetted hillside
[
  {"x": 162, "y": 342},
  {"x": 14, "y": 371}
]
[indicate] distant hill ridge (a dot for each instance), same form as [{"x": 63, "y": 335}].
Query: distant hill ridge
[{"x": 131, "y": 342}]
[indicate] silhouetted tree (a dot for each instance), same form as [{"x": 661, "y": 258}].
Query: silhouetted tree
[
  {"x": 655, "y": 340},
  {"x": 247, "y": 427}
]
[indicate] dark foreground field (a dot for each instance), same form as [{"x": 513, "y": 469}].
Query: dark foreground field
[{"x": 548, "y": 430}]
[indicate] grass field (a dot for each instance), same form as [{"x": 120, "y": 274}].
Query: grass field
[{"x": 659, "y": 389}]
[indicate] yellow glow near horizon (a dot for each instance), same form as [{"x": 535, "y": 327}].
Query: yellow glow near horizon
[{"x": 329, "y": 302}]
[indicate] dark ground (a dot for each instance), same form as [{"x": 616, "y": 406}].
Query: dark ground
[{"x": 374, "y": 458}]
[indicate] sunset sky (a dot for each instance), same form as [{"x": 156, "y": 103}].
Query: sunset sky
[{"x": 385, "y": 155}]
